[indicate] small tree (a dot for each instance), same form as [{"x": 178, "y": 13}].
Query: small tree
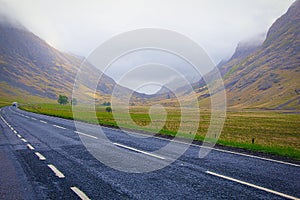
[
  {"x": 74, "y": 102},
  {"x": 63, "y": 100},
  {"x": 106, "y": 103},
  {"x": 108, "y": 109}
]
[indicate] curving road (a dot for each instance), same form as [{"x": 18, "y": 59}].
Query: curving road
[{"x": 42, "y": 157}]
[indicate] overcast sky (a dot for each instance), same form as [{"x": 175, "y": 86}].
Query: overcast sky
[{"x": 80, "y": 26}]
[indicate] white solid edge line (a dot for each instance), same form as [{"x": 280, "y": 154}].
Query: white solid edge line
[
  {"x": 140, "y": 151},
  {"x": 58, "y": 126},
  {"x": 43, "y": 121},
  {"x": 30, "y": 147},
  {"x": 56, "y": 171},
  {"x": 215, "y": 149},
  {"x": 41, "y": 157},
  {"x": 220, "y": 150},
  {"x": 252, "y": 156},
  {"x": 86, "y": 134},
  {"x": 24, "y": 140},
  {"x": 79, "y": 193},
  {"x": 252, "y": 185}
]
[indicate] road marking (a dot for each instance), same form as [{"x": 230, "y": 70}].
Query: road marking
[
  {"x": 86, "y": 134},
  {"x": 11, "y": 128},
  {"x": 41, "y": 157},
  {"x": 80, "y": 193},
  {"x": 59, "y": 126},
  {"x": 140, "y": 151},
  {"x": 215, "y": 149},
  {"x": 56, "y": 171},
  {"x": 220, "y": 150},
  {"x": 257, "y": 157},
  {"x": 24, "y": 140},
  {"x": 15, "y": 132},
  {"x": 252, "y": 185},
  {"x": 19, "y": 136},
  {"x": 43, "y": 121},
  {"x": 33, "y": 118},
  {"x": 30, "y": 147}
]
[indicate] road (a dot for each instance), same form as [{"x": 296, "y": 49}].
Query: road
[{"x": 42, "y": 157}]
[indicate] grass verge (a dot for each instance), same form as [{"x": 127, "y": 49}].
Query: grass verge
[{"x": 273, "y": 132}]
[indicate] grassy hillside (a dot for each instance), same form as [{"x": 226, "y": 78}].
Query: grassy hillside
[
  {"x": 269, "y": 77},
  {"x": 265, "y": 76},
  {"x": 32, "y": 69}
]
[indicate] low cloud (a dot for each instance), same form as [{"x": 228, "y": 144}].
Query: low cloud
[{"x": 80, "y": 26}]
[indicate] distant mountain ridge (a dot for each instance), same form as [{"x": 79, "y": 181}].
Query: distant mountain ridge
[
  {"x": 267, "y": 75},
  {"x": 264, "y": 76},
  {"x": 31, "y": 67}
]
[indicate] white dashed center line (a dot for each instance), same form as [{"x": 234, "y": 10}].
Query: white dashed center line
[
  {"x": 59, "y": 126},
  {"x": 24, "y": 140},
  {"x": 140, "y": 151},
  {"x": 15, "y": 132},
  {"x": 33, "y": 118},
  {"x": 19, "y": 136},
  {"x": 56, "y": 171},
  {"x": 80, "y": 194},
  {"x": 30, "y": 147},
  {"x": 43, "y": 121},
  {"x": 86, "y": 134},
  {"x": 41, "y": 157}
]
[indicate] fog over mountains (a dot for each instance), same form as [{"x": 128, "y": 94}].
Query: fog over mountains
[
  {"x": 262, "y": 73},
  {"x": 266, "y": 75}
]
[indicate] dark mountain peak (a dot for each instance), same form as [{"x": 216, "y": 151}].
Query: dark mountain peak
[
  {"x": 265, "y": 75},
  {"x": 290, "y": 21},
  {"x": 245, "y": 48},
  {"x": 270, "y": 74},
  {"x": 30, "y": 65},
  {"x": 17, "y": 41},
  {"x": 8, "y": 22}
]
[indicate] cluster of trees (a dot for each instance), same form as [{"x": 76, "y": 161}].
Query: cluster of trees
[
  {"x": 63, "y": 100},
  {"x": 108, "y": 108},
  {"x": 106, "y": 104}
]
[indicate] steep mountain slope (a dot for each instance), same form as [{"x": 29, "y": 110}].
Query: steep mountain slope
[
  {"x": 32, "y": 68},
  {"x": 242, "y": 51},
  {"x": 270, "y": 77},
  {"x": 265, "y": 76}
]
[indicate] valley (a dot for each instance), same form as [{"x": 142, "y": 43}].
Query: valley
[{"x": 274, "y": 132}]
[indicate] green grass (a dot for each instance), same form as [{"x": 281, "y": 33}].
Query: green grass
[
  {"x": 5, "y": 103},
  {"x": 273, "y": 132}
]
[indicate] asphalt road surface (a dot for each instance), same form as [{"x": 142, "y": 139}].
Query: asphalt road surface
[{"x": 42, "y": 157}]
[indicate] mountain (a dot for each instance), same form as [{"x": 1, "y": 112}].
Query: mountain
[
  {"x": 258, "y": 75},
  {"x": 242, "y": 51},
  {"x": 32, "y": 69},
  {"x": 267, "y": 75}
]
